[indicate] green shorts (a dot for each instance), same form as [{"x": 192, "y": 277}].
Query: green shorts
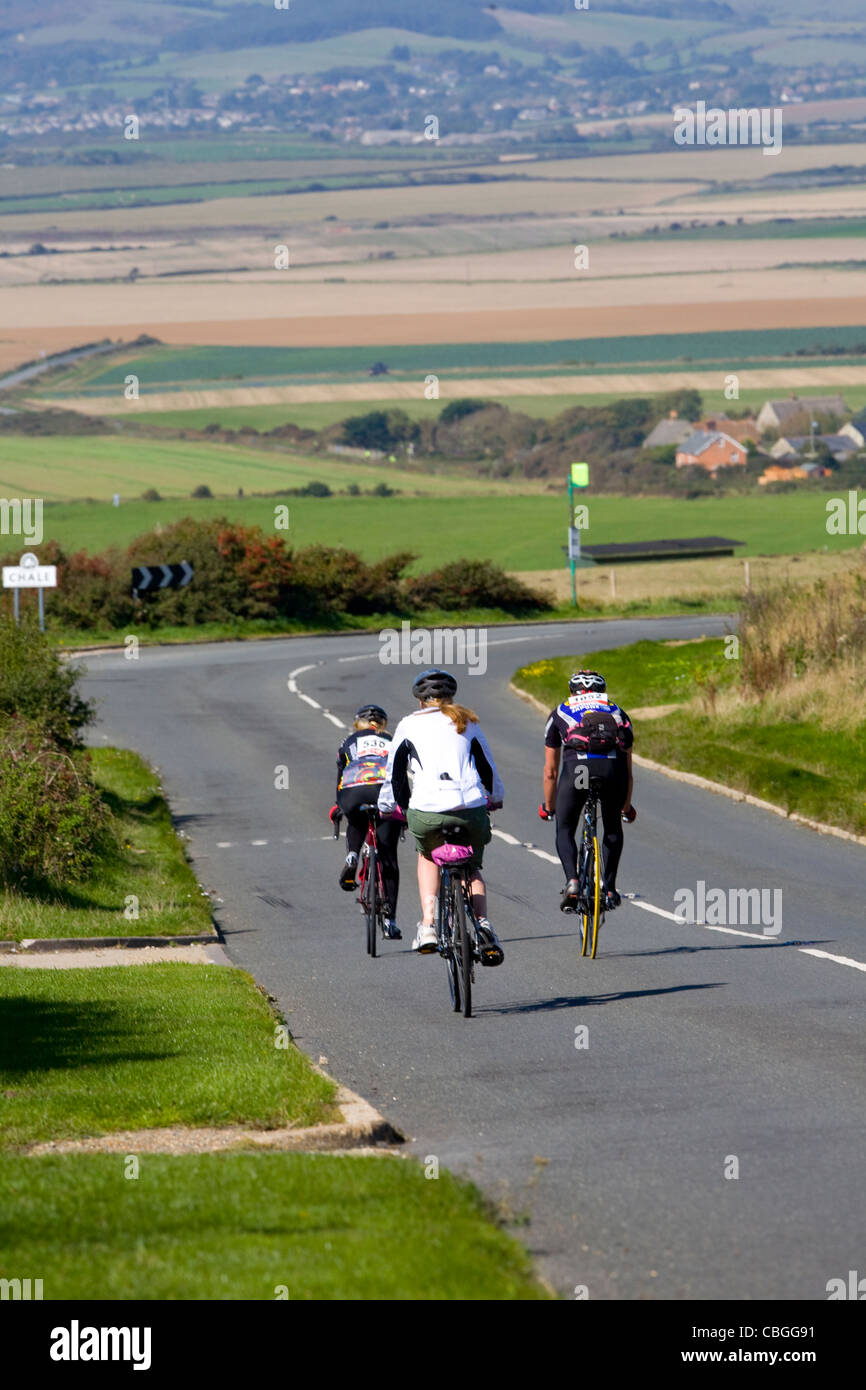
[{"x": 427, "y": 828}]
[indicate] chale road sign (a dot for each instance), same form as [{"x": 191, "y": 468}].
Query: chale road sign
[
  {"x": 146, "y": 579},
  {"x": 29, "y": 574}
]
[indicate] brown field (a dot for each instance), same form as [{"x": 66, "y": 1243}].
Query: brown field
[
  {"x": 692, "y": 579},
  {"x": 702, "y": 165},
  {"x": 196, "y": 315},
  {"x": 275, "y": 214},
  {"x": 632, "y": 383}
]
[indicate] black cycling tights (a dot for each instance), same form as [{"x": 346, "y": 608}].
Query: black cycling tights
[
  {"x": 387, "y": 837},
  {"x": 569, "y": 804}
]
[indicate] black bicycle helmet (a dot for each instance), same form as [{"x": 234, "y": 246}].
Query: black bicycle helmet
[
  {"x": 434, "y": 684},
  {"x": 372, "y": 712},
  {"x": 579, "y": 681}
]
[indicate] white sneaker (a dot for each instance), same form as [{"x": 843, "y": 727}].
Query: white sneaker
[{"x": 425, "y": 939}]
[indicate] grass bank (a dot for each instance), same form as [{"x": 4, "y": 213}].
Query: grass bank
[
  {"x": 229, "y": 1227},
  {"x": 753, "y": 746},
  {"x": 89, "y": 1051},
  {"x": 143, "y": 870}
]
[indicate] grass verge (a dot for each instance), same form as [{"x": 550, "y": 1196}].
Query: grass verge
[
  {"x": 85, "y": 1052},
  {"x": 147, "y": 864},
  {"x": 797, "y": 766},
  {"x": 231, "y": 1227}
]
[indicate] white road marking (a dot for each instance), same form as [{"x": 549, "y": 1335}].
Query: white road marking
[
  {"x": 365, "y": 656},
  {"x": 501, "y": 835},
  {"x": 326, "y": 714},
  {"x": 258, "y": 842},
  {"x": 225, "y": 844},
  {"x": 299, "y": 670},
  {"x": 825, "y": 955},
  {"x": 307, "y": 700},
  {"x": 541, "y": 854}
]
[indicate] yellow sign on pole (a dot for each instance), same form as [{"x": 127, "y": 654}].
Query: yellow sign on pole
[{"x": 580, "y": 475}]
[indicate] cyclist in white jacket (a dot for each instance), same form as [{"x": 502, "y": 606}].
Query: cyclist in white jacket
[{"x": 441, "y": 773}]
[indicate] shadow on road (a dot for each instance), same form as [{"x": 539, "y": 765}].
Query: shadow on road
[{"x": 573, "y": 1001}]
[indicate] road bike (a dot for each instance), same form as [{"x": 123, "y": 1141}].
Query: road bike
[
  {"x": 371, "y": 886},
  {"x": 456, "y": 923}
]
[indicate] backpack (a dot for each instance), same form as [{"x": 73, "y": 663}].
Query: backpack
[{"x": 597, "y": 734}]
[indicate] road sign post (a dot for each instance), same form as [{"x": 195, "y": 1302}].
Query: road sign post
[
  {"x": 578, "y": 478},
  {"x": 29, "y": 574}
]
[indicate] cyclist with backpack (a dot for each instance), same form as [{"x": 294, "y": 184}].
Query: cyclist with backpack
[
  {"x": 442, "y": 774},
  {"x": 361, "y": 762},
  {"x": 591, "y": 736}
]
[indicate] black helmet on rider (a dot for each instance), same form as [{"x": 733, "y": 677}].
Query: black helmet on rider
[
  {"x": 434, "y": 684},
  {"x": 583, "y": 681},
  {"x": 374, "y": 714}
]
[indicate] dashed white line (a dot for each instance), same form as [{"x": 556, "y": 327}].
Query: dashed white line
[
  {"x": 258, "y": 842},
  {"x": 308, "y": 700},
  {"x": 326, "y": 714},
  {"x": 501, "y": 835},
  {"x": 826, "y": 955}
]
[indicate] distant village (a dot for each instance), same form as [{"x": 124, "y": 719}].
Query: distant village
[
  {"x": 799, "y": 437},
  {"x": 475, "y": 96}
]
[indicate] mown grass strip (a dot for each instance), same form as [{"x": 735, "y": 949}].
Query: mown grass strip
[
  {"x": 146, "y": 873},
  {"x": 817, "y": 775},
  {"x": 86, "y": 1052},
  {"x": 231, "y": 1227}
]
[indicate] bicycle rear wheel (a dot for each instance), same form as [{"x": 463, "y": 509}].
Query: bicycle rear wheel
[
  {"x": 590, "y": 898},
  {"x": 463, "y": 949},
  {"x": 368, "y": 899},
  {"x": 446, "y": 938}
]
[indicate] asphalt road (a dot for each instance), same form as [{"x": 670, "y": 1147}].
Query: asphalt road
[{"x": 708, "y": 1050}]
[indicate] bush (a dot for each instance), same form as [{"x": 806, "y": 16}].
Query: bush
[
  {"x": 151, "y": 495},
  {"x": 456, "y": 410},
  {"x": 202, "y": 490},
  {"x": 473, "y": 584},
  {"x": 37, "y": 687},
  {"x": 53, "y": 821}
]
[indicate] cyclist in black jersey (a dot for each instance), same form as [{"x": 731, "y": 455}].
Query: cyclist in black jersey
[
  {"x": 361, "y": 761},
  {"x": 585, "y": 719}
]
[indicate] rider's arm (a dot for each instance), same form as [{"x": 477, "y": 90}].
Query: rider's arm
[
  {"x": 630, "y": 780},
  {"x": 551, "y": 773},
  {"x": 486, "y": 767}
]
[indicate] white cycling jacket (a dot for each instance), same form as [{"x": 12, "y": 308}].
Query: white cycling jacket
[{"x": 433, "y": 768}]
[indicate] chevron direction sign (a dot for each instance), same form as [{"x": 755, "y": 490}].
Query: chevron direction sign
[{"x": 146, "y": 579}]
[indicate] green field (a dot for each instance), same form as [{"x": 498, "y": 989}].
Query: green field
[
  {"x": 96, "y": 467},
  {"x": 519, "y": 532},
  {"x": 161, "y": 367}
]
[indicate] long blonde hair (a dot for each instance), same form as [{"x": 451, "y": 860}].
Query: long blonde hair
[
  {"x": 460, "y": 715},
  {"x": 369, "y": 724}
]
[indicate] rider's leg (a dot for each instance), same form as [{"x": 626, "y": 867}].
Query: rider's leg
[
  {"x": 387, "y": 838},
  {"x": 569, "y": 804},
  {"x": 611, "y": 812},
  {"x": 428, "y": 887},
  {"x": 478, "y": 891}
]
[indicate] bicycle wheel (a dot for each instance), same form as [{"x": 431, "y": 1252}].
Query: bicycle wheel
[
  {"x": 368, "y": 898},
  {"x": 590, "y": 895},
  {"x": 463, "y": 949},
  {"x": 446, "y": 939}
]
